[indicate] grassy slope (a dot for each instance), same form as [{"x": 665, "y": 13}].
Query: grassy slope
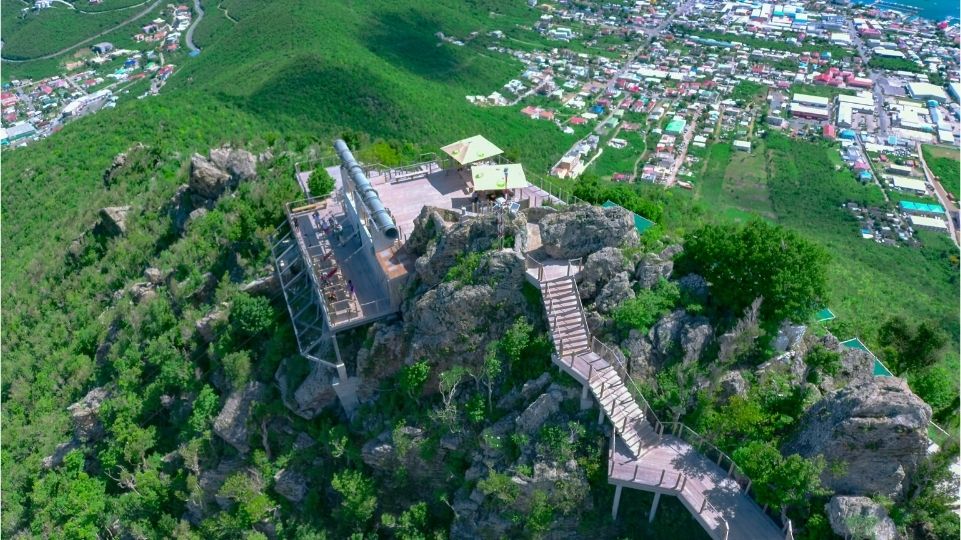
[{"x": 944, "y": 163}]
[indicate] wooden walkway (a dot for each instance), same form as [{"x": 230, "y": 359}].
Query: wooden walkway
[{"x": 642, "y": 457}]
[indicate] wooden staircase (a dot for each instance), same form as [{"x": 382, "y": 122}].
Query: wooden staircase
[{"x": 582, "y": 356}]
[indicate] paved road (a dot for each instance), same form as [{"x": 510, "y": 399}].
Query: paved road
[
  {"x": 89, "y": 39},
  {"x": 190, "y": 31},
  {"x": 946, "y": 203}
]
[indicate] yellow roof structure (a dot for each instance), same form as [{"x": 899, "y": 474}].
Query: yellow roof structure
[
  {"x": 491, "y": 177},
  {"x": 471, "y": 149}
]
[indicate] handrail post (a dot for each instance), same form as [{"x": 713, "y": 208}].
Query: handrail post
[{"x": 661, "y": 480}]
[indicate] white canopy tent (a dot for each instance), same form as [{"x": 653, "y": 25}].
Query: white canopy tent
[
  {"x": 472, "y": 149},
  {"x": 492, "y": 177}
]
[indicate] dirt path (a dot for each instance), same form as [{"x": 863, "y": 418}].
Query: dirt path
[
  {"x": 221, "y": 7},
  {"x": 89, "y": 39}
]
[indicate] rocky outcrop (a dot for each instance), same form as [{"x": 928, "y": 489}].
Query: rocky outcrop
[
  {"x": 583, "y": 229},
  {"x": 265, "y": 286},
  {"x": 315, "y": 393},
  {"x": 682, "y": 334},
  {"x": 598, "y": 269},
  {"x": 231, "y": 424},
  {"x": 400, "y": 449},
  {"x": 206, "y": 179},
  {"x": 142, "y": 291},
  {"x": 153, "y": 276},
  {"x": 651, "y": 268},
  {"x": 385, "y": 356},
  {"x": 527, "y": 392},
  {"x": 135, "y": 156},
  {"x": 534, "y": 416},
  {"x": 208, "y": 324},
  {"x": 615, "y": 291},
  {"x": 290, "y": 485},
  {"x": 860, "y": 517},
  {"x": 239, "y": 164},
  {"x": 639, "y": 351},
  {"x": 59, "y": 454},
  {"x": 873, "y": 434},
  {"x": 731, "y": 384},
  {"x": 85, "y": 415},
  {"x": 789, "y": 337},
  {"x": 445, "y": 246},
  {"x": 113, "y": 221},
  {"x": 205, "y": 500},
  {"x": 451, "y": 321}
]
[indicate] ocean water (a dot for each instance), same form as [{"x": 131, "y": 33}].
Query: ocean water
[{"x": 936, "y": 10}]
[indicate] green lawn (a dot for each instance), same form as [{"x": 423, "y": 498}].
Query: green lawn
[
  {"x": 622, "y": 160},
  {"x": 944, "y": 163}
]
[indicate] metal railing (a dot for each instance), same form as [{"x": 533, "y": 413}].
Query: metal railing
[{"x": 533, "y": 264}]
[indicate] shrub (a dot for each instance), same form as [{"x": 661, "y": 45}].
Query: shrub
[{"x": 320, "y": 184}]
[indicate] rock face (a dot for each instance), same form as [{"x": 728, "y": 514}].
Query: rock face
[
  {"x": 617, "y": 290},
  {"x": 59, "y": 454},
  {"x": 639, "y": 351},
  {"x": 599, "y": 268},
  {"x": 584, "y": 229},
  {"x": 239, "y": 164},
  {"x": 315, "y": 393},
  {"x": 266, "y": 286},
  {"x": 209, "y": 322},
  {"x": 680, "y": 333},
  {"x": 85, "y": 415},
  {"x": 537, "y": 412},
  {"x": 449, "y": 321},
  {"x": 651, "y": 268},
  {"x": 231, "y": 423},
  {"x": 113, "y": 221},
  {"x": 206, "y": 179},
  {"x": 290, "y": 485},
  {"x": 400, "y": 449},
  {"x": 443, "y": 242},
  {"x": 789, "y": 336},
  {"x": 731, "y": 384},
  {"x": 873, "y": 434},
  {"x": 860, "y": 517}
]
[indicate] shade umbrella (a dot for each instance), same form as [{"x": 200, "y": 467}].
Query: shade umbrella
[
  {"x": 471, "y": 149},
  {"x": 498, "y": 177}
]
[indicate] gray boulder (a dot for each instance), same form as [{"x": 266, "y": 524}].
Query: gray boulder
[
  {"x": 873, "y": 434},
  {"x": 267, "y": 285},
  {"x": 206, "y": 179},
  {"x": 680, "y": 333},
  {"x": 290, "y": 485},
  {"x": 527, "y": 392},
  {"x": 670, "y": 251},
  {"x": 142, "y": 291},
  {"x": 537, "y": 413},
  {"x": 153, "y": 275},
  {"x": 789, "y": 336},
  {"x": 583, "y": 229},
  {"x": 85, "y": 415},
  {"x": 615, "y": 291},
  {"x": 239, "y": 164},
  {"x": 731, "y": 384},
  {"x": 599, "y": 268},
  {"x": 651, "y": 268},
  {"x": 639, "y": 352},
  {"x": 208, "y": 324},
  {"x": 59, "y": 453},
  {"x": 315, "y": 393},
  {"x": 113, "y": 221},
  {"x": 231, "y": 424},
  {"x": 860, "y": 517}
]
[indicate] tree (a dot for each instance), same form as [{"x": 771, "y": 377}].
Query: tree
[
  {"x": 778, "y": 481},
  {"x": 358, "y": 501},
  {"x": 759, "y": 260},
  {"x": 250, "y": 316},
  {"x": 237, "y": 368},
  {"x": 413, "y": 377},
  {"x": 907, "y": 349},
  {"x": 320, "y": 184},
  {"x": 69, "y": 503},
  {"x": 936, "y": 386}
]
